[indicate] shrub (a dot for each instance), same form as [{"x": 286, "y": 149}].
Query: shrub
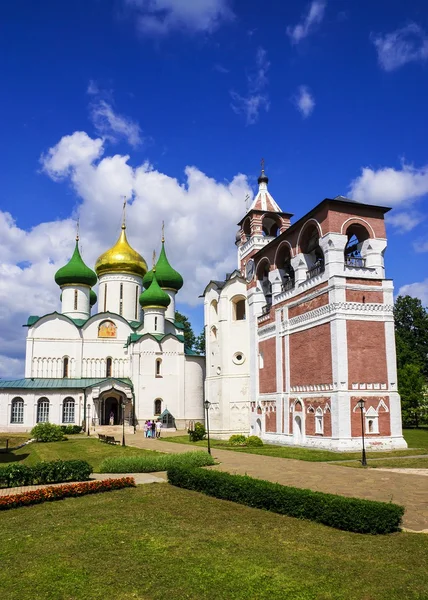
[
  {"x": 237, "y": 440},
  {"x": 47, "y": 432},
  {"x": 55, "y": 471},
  {"x": 254, "y": 441},
  {"x": 71, "y": 429},
  {"x": 349, "y": 514},
  {"x": 157, "y": 462},
  {"x": 198, "y": 433},
  {"x": 64, "y": 491}
]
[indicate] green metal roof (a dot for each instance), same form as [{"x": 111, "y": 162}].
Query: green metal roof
[
  {"x": 154, "y": 294},
  {"x": 80, "y": 322},
  {"x": 166, "y": 276},
  {"x": 43, "y": 383},
  {"x": 75, "y": 271}
]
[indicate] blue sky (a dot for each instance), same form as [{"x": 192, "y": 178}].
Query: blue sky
[{"x": 321, "y": 90}]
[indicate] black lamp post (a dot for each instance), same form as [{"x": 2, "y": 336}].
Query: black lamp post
[
  {"x": 88, "y": 415},
  {"x": 123, "y": 422},
  {"x": 360, "y": 405},
  {"x": 207, "y": 405}
]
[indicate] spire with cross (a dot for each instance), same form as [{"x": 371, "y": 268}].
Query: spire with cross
[{"x": 124, "y": 213}]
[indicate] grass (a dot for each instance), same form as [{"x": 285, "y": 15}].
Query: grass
[
  {"x": 15, "y": 439},
  {"x": 416, "y": 439},
  {"x": 157, "y": 462},
  {"x": 157, "y": 541},
  {"x": 76, "y": 447},
  {"x": 391, "y": 463}
]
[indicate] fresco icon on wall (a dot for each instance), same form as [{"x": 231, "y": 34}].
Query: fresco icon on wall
[{"x": 107, "y": 329}]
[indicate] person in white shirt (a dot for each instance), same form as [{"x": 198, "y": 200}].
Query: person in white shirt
[{"x": 158, "y": 428}]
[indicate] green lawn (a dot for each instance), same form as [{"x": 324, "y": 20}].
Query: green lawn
[
  {"x": 156, "y": 542},
  {"x": 415, "y": 439},
  {"x": 79, "y": 447},
  {"x": 393, "y": 463}
]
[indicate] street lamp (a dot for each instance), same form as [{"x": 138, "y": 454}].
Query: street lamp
[
  {"x": 360, "y": 405},
  {"x": 123, "y": 422},
  {"x": 207, "y": 405},
  {"x": 88, "y": 410}
]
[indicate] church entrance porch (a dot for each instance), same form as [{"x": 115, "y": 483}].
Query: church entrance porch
[{"x": 111, "y": 411}]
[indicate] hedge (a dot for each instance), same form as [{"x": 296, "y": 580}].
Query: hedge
[
  {"x": 68, "y": 490},
  {"x": 349, "y": 514},
  {"x": 55, "y": 471},
  {"x": 157, "y": 462}
]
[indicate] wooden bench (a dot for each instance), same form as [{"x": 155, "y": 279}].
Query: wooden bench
[{"x": 111, "y": 440}]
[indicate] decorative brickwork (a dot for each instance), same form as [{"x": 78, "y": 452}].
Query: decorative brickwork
[
  {"x": 366, "y": 352},
  {"x": 310, "y": 356},
  {"x": 267, "y": 375},
  {"x": 363, "y": 296},
  {"x": 304, "y": 307},
  {"x": 270, "y": 421},
  {"x": 380, "y": 411}
]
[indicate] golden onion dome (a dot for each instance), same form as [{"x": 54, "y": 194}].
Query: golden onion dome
[{"x": 121, "y": 259}]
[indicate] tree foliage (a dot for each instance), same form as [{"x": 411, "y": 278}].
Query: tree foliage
[
  {"x": 411, "y": 337},
  {"x": 189, "y": 336},
  {"x": 411, "y": 331}
]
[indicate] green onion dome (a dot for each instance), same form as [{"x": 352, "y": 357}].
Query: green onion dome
[
  {"x": 75, "y": 271},
  {"x": 154, "y": 296},
  {"x": 92, "y": 298},
  {"x": 166, "y": 276}
]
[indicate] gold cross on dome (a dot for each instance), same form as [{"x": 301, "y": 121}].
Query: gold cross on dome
[
  {"x": 262, "y": 163},
  {"x": 77, "y": 230},
  {"x": 163, "y": 231},
  {"x": 124, "y": 212},
  {"x": 154, "y": 259}
]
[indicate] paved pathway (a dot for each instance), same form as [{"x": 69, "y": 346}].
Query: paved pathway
[{"x": 374, "y": 484}]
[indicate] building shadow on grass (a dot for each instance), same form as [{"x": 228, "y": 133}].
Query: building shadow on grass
[{"x": 10, "y": 457}]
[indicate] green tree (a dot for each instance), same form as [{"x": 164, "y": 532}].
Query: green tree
[
  {"x": 200, "y": 343},
  {"x": 411, "y": 332},
  {"x": 189, "y": 336},
  {"x": 412, "y": 388}
]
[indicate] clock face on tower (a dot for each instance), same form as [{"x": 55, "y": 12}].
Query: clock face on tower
[{"x": 249, "y": 270}]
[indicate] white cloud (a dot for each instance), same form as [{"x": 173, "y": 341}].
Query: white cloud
[
  {"x": 112, "y": 126},
  {"x": 417, "y": 290},
  {"x": 92, "y": 88},
  {"x": 309, "y": 22},
  {"x": 304, "y": 101},
  {"x": 257, "y": 97},
  {"x": 389, "y": 186},
  {"x": 395, "y": 49},
  {"x": 421, "y": 246},
  {"x": 161, "y": 17},
  {"x": 200, "y": 217},
  {"x": 404, "y": 222}
]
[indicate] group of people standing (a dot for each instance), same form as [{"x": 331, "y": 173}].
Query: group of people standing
[{"x": 152, "y": 429}]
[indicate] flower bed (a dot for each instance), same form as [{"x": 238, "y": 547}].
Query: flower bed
[{"x": 68, "y": 490}]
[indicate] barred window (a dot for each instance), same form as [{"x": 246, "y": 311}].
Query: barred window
[
  {"x": 17, "y": 413},
  {"x": 68, "y": 410},
  {"x": 158, "y": 406},
  {"x": 43, "y": 410}
]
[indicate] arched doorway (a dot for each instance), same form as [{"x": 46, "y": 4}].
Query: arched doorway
[
  {"x": 112, "y": 409},
  {"x": 297, "y": 429},
  {"x": 259, "y": 427}
]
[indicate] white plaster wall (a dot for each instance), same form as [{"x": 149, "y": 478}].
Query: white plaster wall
[
  {"x": 30, "y": 397},
  {"x": 131, "y": 309},
  {"x": 154, "y": 320},
  {"x": 67, "y": 304},
  {"x": 194, "y": 377}
]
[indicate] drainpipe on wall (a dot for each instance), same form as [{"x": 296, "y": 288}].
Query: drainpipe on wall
[
  {"x": 133, "y": 410},
  {"x": 84, "y": 411}
]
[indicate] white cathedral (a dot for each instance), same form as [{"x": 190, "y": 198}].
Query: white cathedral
[{"x": 122, "y": 365}]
